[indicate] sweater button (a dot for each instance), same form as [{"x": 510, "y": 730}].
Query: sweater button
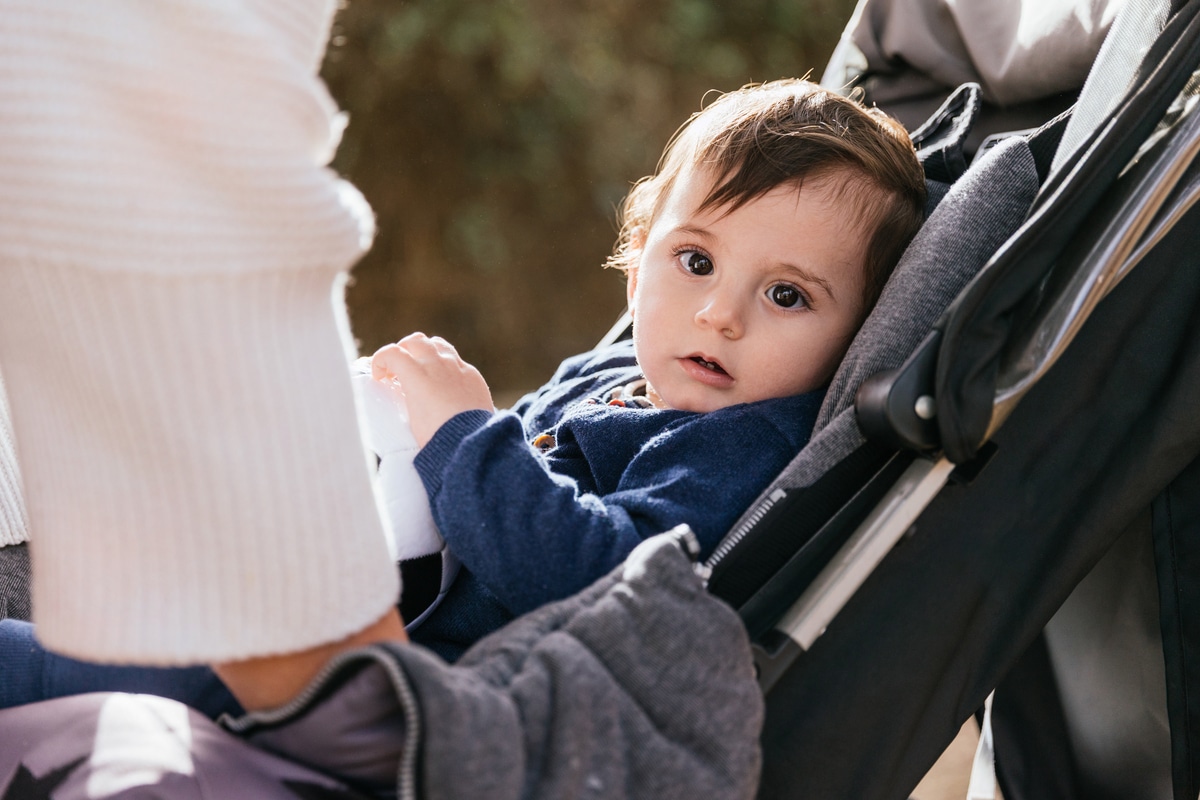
[{"x": 544, "y": 442}]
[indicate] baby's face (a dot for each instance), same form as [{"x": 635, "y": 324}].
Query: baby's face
[{"x": 759, "y": 303}]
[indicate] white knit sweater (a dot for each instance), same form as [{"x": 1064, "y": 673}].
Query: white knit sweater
[
  {"x": 14, "y": 525},
  {"x": 172, "y": 333}
]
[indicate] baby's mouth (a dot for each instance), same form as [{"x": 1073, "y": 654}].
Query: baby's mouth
[{"x": 712, "y": 366}]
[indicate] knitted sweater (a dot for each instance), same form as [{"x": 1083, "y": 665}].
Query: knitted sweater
[
  {"x": 14, "y": 526},
  {"x": 533, "y": 526},
  {"x": 170, "y": 242}
]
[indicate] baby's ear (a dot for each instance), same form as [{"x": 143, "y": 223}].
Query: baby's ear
[
  {"x": 631, "y": 275},
  {"x": 637, "y": 238}
]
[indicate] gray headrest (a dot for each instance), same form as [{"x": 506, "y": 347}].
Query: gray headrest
[{"x": 981, "y": 210}]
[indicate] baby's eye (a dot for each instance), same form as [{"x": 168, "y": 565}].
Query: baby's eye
[
  {"x": 696, "y": 262},
  {"x": 786, "y": 296}
]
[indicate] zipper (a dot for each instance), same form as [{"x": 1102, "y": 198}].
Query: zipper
[
  {"x": 274, "y": 716},
  {"x": 406, "y": 776},
  {"x": 734, "y": 539}
]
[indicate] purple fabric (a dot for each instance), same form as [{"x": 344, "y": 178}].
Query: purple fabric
[{"x": 120, "y": 746}]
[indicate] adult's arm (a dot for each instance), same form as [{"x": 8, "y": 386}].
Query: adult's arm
[{"x": 172, "y": 336}]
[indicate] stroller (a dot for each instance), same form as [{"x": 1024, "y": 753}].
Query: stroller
[
  {"x": 974, "y": 481},
  {"x": 1000, "y": 493}
]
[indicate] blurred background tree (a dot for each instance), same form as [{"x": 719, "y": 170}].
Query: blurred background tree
[{"x": 496, "y": 138}]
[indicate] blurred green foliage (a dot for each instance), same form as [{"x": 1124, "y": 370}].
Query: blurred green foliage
[{"x": 495, "y": 139}]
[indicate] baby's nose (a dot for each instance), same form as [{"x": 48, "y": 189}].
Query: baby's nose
[{"x": 721, "y": 315}]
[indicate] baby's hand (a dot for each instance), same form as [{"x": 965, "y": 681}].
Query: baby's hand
[{"x": 437, "y": 384}]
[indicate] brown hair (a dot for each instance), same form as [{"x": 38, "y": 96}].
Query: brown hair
[{"x": 790, "y": 131}]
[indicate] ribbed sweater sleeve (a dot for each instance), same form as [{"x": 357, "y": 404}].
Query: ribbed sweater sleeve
[
  {"x": 172, "y": 334},
  {"x": 14, "y": 525}
]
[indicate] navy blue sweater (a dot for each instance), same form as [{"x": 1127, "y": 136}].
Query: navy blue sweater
[{"x": 532, "y": 526}]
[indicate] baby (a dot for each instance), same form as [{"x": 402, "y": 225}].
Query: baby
[{"x": 753, "y": 255}]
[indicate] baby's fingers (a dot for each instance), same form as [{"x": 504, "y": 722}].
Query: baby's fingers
[
  {"x": 426, "y": 349},
  {"x": 385, "y": 364}
]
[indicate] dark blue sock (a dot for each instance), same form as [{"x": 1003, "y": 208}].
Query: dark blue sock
[{"x": 29, "y": 673}]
